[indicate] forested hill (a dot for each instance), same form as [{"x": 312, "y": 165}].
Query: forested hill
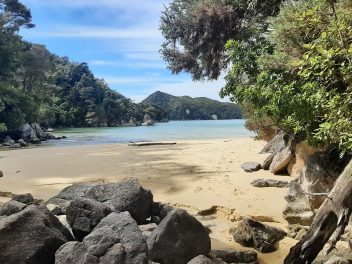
[
  {"x": 38, "y": 86},
  {"x": 187, "y": 108}
]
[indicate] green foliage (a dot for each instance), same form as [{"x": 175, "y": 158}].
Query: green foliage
[
  {"x": 38, "y": 86},
  {"x": 302, "y": 82}
]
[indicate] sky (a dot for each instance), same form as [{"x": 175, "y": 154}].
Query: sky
[{"x": 119, "y": 39}]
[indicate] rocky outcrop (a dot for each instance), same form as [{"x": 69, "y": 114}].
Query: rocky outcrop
[
  {"x": 298, "y": 209},
  {"x": 127, "y": 195},
  {"x": 235, "y": 256},
  {"x": 117, "y": 239},
  {"x": 262, "y": 183},
  {"x": 317, "y": 176},
  {"x": 33, "y": 133},
  {"x": 148, "y": 120},
  {"x": 83, "y": 215},
  {"x": 31, "y": 236},
  {"x": 251, "y": 166},
  {"x": 178, "y": 239},
  {"x": 281, "y": 160},
  {"x": 250, "y": 233}
]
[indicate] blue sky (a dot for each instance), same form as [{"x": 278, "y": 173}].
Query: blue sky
[{"x": 120, "y": 41}]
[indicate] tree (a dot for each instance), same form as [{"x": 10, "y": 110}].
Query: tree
[{"x": 196, "y": 32}]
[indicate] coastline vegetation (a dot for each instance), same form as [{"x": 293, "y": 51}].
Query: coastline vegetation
[{"x": 287, "y": 63}]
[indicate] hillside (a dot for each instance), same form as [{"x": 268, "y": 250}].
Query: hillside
[{"x": 188, "y": 108}]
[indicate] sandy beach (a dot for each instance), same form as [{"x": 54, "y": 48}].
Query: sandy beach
[{"x": 194, "y": 175}]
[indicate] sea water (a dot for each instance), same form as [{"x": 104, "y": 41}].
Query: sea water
[{"x": 173, "y": 130}]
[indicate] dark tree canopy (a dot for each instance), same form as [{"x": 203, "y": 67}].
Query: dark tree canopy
[{"x": 196, "y": 32}]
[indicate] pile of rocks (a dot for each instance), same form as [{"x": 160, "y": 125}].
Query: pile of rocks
[
  {"x": 27, "y": 134},
  {"x": 108, "y": 223}
]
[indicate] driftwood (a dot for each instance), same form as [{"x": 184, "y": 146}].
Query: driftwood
[
  {"x": 152, "y": 144},
  {"x": 331, "y": 219}
]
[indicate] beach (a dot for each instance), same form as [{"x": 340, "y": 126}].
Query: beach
[{"x": 194, "y": 175}]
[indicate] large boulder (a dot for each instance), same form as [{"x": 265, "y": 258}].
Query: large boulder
[
  {"x": 116, "y": 240},
  {"x": 39, "y": 131},
  {"x": 178, "y": 238},
  {"x": 278, "y": 143},
  {"x": 251, "y": 166},
  {"x": 59, "y": 203},
  {"x": 31, "y": 236},
  {"x": 27, "y": 133},
  {"x": 262, "y": 183},
  {"x": 83, "y": 215},
  {"x": 12, "y": 207},
  {"x": 127, "y": 195},
  {"x": 282, "y": 160},
  {"x": 298, "y": 210},
  {"x": 8, "y": 141},
  {"x": 251, "y": 233},
  {"x": 318, "y": 175}
]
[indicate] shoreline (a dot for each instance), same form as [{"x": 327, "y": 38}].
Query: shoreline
[{"x": 193, "y": 174}]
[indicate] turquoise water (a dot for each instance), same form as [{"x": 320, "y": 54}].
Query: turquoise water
[{"x": 174, "y": 130}]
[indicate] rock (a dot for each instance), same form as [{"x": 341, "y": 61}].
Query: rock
[
  {"x": 31, "y": 236},
  {"x": 291, "y": 165},
  {"x": 12, "y": 207},
  {"x": 39, "y": 131},
  {"x": 83, "y": 215},
  {"x": 298, "y": 209},
  {"x": 201, "y": 260},
  {"x": 334, "y": 258},
  {"x": 260, "y": 183},
  {"x": 301, "y": 233},
  {"x": 127, "y": 195},
  {"x": 60, "y": 202},
  {"x": 116, "y": 240},
  {"x": 1, "y": 174},
  {"x": 235, "y": 256},
  {"x": 251, "y": 166},
  {"x": 318, "y": 175},
  {"x": 27, "y": 133},
  {"x": 148, "y": 120},
  {"x": 8, "y": 141},
  {"x": 178, "y": 238},
  {"x": 15, "y": 146},
  {"x": 281, "y": 160},
  {"x": 278, "y": 143},
  {"x": 24, "y": 198},
  {"x": 267, "y": 162},
  {"x": 302, "y": 152},
  {"x": 22, "y": 143},
  {"x": 147, "y": 229},
  {"x": 250, "y": 233},
  {"x": 7, "y": 144},
  {"x": 160, "y": 211}
]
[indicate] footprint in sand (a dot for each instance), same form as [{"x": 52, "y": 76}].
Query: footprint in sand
[{"x": 198, "y": 189}]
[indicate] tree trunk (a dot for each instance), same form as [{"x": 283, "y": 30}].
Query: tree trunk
[{"x": 332, "y": 216}]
